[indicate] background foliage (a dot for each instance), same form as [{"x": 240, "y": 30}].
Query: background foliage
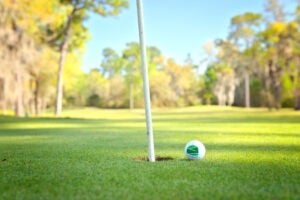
[{"x": 257, "y": 65}]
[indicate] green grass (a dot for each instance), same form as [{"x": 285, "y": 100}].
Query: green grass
[{"x": 91, "y": 154}]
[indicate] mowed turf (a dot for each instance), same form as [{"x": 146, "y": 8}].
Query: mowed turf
[{"x": 94, "y": 154}]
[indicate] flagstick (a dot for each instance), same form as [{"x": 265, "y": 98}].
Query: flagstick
[{"x": 151, "y": 155}]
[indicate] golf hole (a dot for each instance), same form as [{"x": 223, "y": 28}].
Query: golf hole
[{"x": 157, "y": 159}]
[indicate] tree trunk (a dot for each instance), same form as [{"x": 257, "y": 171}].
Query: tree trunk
[
  {"x": 19, "y": 109},
  {"x": 36, "y": 97},
  {"x": 2, "y": 95},
  {"x": 297, "y": 92},
  {"x": 247, "y": 90},
  {"x": 275, "y": 84},
  {"x": 131, "y": 98},
  {"x": 63, "y": 53},
  {"x": 297, "y": 99},
  {"x": 230, "y": 90},
  {"x": 31, "y": 101},
  {"x": 277, "y": 94},
  {"x": 267, "y": 95},
  {"x": 43, "y": 105},
  {"x": 2, "y": 89}
]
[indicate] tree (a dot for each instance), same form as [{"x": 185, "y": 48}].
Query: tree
[
  {"x": 278, "y": 44},
  {"x": 243, "y": 28},
  {"x": 96, "y": 95},
  {"x": 19, "y": 35},
  {"x": 275, "y": 11},
  {"x": 112, "y": 67},
  {"x": 78, "y": 11},
  {"x": 227, "y": 64},
  {"x": 224, "y": 87},
  {"x": 133, "y": 68},
  {"x": 41, "y": 80},
  {"x": 209, "y": 80},
  {"x": 75, "y": 81},
  {"x": 296, "y": 67},
  {"x": 112, "y": 64},
  {"x": 173, "y": 84}
]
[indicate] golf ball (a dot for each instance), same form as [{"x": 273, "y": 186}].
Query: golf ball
[{"x": 194, "y": 150}]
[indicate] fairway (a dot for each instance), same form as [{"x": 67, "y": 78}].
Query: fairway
[{"x": 96, "y": 154}]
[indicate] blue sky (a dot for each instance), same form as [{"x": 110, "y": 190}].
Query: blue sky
[{"x": 176, "y": 27}]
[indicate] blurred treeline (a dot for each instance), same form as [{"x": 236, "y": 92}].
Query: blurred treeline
[
  {"x": 258, "y": 64},
  {"x": 42, "y": 43}
]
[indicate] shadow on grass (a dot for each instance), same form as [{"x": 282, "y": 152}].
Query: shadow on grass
[
  {"x": 163, "y": 138},
  {"x": 10, "y": 119},
  {"x": 185, "y": 118},
  {"x": 244, "y": 120},
  {"x": 157, "y": 158},
  {"x": 267, "y": 148},
  {"x": 253, "y": 148}
]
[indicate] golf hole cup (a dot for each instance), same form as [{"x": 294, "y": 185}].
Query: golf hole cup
[{"x": 194, "y": 150}]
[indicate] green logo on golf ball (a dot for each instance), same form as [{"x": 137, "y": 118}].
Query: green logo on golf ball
[{"x": 192, "y": 150}]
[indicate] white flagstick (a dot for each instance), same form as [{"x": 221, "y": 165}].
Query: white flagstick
[{"x": 146, "y": 82}]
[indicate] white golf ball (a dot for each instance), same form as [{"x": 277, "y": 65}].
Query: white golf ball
[{"x": 194, "y": 150}]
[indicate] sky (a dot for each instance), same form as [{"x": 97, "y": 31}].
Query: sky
[{"x": 176, "y": 27}]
